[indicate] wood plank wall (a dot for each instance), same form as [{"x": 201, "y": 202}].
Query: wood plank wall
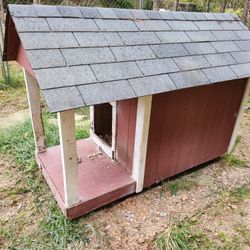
[
  {"x": 189, "y": 127},
  {"x": 125, "y": 132}
]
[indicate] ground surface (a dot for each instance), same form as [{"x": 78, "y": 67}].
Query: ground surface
[{"x": 209, "y": 206}]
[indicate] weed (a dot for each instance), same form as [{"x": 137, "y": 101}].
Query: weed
[
  {"x": 221, "y": 236},
  {"x": 244, "y": 232},
  {"x": 182, "y": 183},
  {"x": 248, "y": 104},
  {"x": 237, "y": 141},
  {"x": 181, "y": 237},
  {"x": 239, "y": 194},
  {"x": 229, "y": 242},
  {"x": 232, "y": 161},
  {"x": 231, "y": 197}
]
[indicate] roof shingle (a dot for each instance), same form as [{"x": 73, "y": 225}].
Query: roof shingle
[{"x": 84, "y": 56}]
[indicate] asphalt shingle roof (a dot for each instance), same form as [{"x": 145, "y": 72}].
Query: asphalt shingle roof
[{"x": 85, "y": 56}]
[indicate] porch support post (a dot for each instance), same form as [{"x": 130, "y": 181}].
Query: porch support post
[
  {"x": 141, "y": 140},
  {"x": 67, "y": 131},
  {"x": 239, "y": 117},
  {"x": 35, "y": 107}
]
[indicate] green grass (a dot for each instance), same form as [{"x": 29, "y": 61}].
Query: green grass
[
  {"x": 233, "y": 161},
  {"x": 239, "y": 240},
  {"x": 61, "y": 230},
  {"x": 186, "y": 234},
  {"x": 18, "y": 141},
  {"x": 13, "y": 79},
  {"x": 180, "y": 184},
  {"x": 244, "y": 232},
  {"x": 240, "y": 194},
  {"x": 248, "y": 104},
  {"x": 53, "y": 230},
  {"x": 182, "y": 237}
]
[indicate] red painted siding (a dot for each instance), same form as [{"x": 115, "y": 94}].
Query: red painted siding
[
  {"x": 125, "y": 132},
  {"x": 189, "y": 127}
]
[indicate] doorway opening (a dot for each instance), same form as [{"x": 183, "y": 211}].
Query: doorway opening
[{"x": 103, "y": 125}]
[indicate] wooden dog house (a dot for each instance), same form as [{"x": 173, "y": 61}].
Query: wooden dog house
[{"x": 166, "y": 91}]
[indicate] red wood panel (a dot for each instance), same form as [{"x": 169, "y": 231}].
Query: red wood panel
[
  {"x": 189, "y": 127},
  {"x": 14, "y": 49},
  {"x": 173, "y": 123},
  {"x": 191, "y": 133},
  {"x": 131, "y": 133},
  {"x": 125, "y": 132},
  {"x": 154, "y": 141}
]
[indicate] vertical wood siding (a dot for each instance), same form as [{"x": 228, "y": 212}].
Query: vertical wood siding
[
  {"x": 189, "y": 127},
  {"x": 125, "y": 132}
]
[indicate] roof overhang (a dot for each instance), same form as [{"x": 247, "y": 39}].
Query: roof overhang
[
  {"x": 13, "y": 48},
  {"x": 84, "y": 56}
]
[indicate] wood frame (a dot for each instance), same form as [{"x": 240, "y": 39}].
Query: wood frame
[
  {"x": 110, "y": 151},
  {"x": 35, "y": 107},
  {"x": 141, "y": 140},
  {"x": 67, "y": 131},
  {"x": 239, "y": 117}
]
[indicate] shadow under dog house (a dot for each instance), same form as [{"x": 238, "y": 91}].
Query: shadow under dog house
[{"x": 166, "y": 91}]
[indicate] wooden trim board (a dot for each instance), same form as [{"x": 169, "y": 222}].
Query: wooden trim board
[
  {"x": 67, "y": 132},
  {"x": 101, "y": 143},
  {"x": 239, "y": 117},
  {"x": 35, "y": 107},
  {"x": 141, "y": 140}
]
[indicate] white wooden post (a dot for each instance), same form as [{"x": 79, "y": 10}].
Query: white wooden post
[
  {"x": 141, "y": 140},
  {"x": 67, "y": 131},
  {"x": 35, "y": 111},
  {"x": 91, "y": 118},
  {"x": 239, "y": 117}
]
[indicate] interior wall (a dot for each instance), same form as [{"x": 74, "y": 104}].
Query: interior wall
[
  {"x": 103, "y": 122},
  {"x": 125, "y": 132},
  {"x": 189, "y": 127}
]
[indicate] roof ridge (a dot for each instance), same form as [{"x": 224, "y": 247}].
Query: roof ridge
[{"x": 34, "y": 10}]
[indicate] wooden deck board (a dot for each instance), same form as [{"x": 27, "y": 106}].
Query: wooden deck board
[{"x": 101, "y": 180}]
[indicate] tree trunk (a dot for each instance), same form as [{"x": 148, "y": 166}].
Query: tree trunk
[
  {"x": 235, "y": 4},
  {"x": 208, "y": 5},
  {"x": 245, "y": 11},
  {"x": 223, "y": 6},
  {"x": 176, "y": 5},
  {"x": 156, "y": 4}
]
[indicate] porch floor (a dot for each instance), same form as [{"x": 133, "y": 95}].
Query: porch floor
[{"x": 101, "y": 180}]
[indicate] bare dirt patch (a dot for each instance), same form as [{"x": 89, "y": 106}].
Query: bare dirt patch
[{"x": 13, "y": 118}]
